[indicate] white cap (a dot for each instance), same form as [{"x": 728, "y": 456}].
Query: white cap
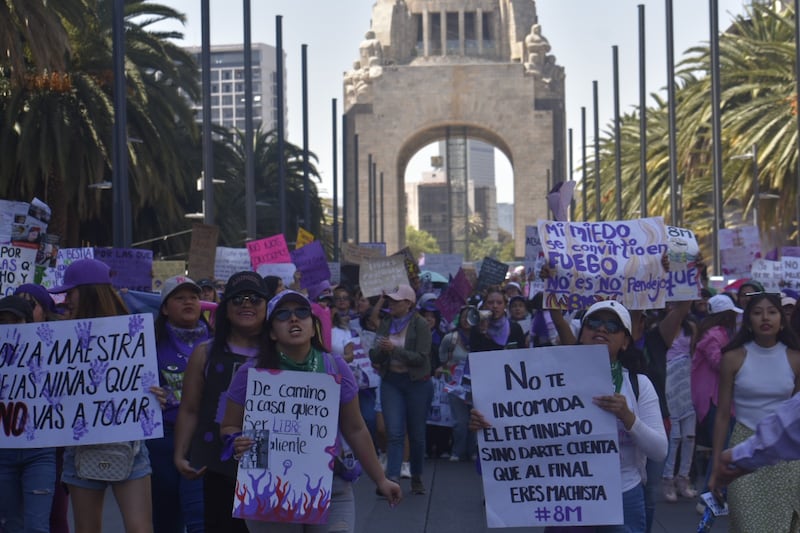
[
  {"x": 613, "y": 306},
  {"x": 721, "y": 303},
  {"x": 788, "y": 300}
]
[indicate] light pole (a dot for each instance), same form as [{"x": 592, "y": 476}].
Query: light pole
[{"x": 757, "y": 194}]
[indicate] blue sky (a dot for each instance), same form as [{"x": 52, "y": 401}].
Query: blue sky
[{"x": 581, "y": 33}]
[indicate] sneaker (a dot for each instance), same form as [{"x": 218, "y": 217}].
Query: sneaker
[
  {"x": 417, "y": 487},
  {"x": 454, "y": 459},
  {"x": 444, "y": 455},
  {"x": 684, "y": 488},
  {"x": 405, "y": 470},
  {"x": 668, "y": 488}
]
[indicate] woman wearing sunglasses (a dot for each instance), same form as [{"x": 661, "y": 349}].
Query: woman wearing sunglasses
[
  {"x": 760, "y": 369},
  {"x": 294, "y": 343},
  {"x": 240, "y": 330},
  {"x": 634, "y": 403}
]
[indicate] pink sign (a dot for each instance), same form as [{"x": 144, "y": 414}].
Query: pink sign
[{"x": 269, "y": 250}]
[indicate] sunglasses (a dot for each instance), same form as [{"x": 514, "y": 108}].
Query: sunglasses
[
  {"x": 610, "y": 325},
  {"x": 765, "y": 293},
  {"x": 282, "y": 315},
  {"x": 240, "y": 299}
]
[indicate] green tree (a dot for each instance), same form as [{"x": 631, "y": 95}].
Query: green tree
[{"x": 421, "y": 242}]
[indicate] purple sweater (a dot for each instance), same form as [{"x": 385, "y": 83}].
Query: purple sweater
[{"x": 777, "y": 438}]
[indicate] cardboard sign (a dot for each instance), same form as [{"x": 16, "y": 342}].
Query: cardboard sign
[
  {"x": 738, "y": 248},
  {"x": 75, "y": 382},
  {"x": 203, "y": 251},
  {"x": 163, "y": 270},
  {"x": 492, "y": 272},
  {"x": 229, "y": 261},
  {"x": 355, "y": 254},
  {"x": 445, "y": 264},
  {"x": 17, "y": 266},
  {"x": 269, "y": 250},
  {"x": 382, "y": 273},
  {"x": 303, "y": 237},
  {"x": 130, "y": 268},
  {"x": 285, "y": 271},
  {"x": 550, "y": 457},
  {"x": 768, "y": 273},
  {"x": 312, "y": 262},
  {"x": 286, "y": 476},
  {"x": 593, "y": 261}
]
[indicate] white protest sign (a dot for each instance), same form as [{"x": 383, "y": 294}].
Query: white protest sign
[
  {"x": 17, "y": 266},
  {"x": 791, "y": 272},
  {"x": 75, "y": 382},
  {"x": 12, "y": 217},
  {"x": 293, "y": 419},
  {"x": 534, "y": 260},
  {"x": 439, "y": 412},
  {"x": 366, "y": 375},
  {"x": 738, "y": 247},
  {"x": 768, "y": 273},
  {"x": 382, "y": 273},
  {"x": 285, "y": 271},
  {"x": 444, "y": 264},
  {"x": 229, "y": 261},
  {"x": 595, "y": 261},
  {"x": 550, "y": 457},
  {"x": 65, "y": 257},
  {"x": 678, "y": 385},
  {"x": 684, "y": 279}
]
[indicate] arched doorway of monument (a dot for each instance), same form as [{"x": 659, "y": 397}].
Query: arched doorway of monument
[{"x": 459, "y": 188}]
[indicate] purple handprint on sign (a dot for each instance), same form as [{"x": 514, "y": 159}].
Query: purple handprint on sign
[
  {"x": 45, "y": 332},
  {"x": 84, "y": 332},
  {"x": 135, "y": 324},
  {"x": 149, "y": 379},
  {"x": 79, "y": 429},
  {"x": 97, "y": 371},
  {"x": 148, "y": 422},
  {"x": 35, "y": 369}
]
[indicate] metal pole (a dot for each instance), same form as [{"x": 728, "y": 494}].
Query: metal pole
[
  {"x": 374, "y": 201},
  {"x": 281, "y": 126},
  {"x": 306, "y": 185},
  {"x": 642, "y": 114},
  {"x": 249, "y": 158},
  {"x": 382, "y": 217},
  {"x": 370, "y": 191},
  {"x": 345, "y": 188},
  {"x": 571, "y": 176},
  {"x": 334, "y": 154},
  {"x": 716, "y": 132},
  {"x": 584, "y": 163},
  {"x": 357, "y": 187},
  {"x": 121, "y": 189},
  {"x": 671, "y": 106},
  {"x": 208, "y": 145},
  {"x": 596, "y": 150},
  {"x": 797, "y": 113},
  {"x": 756, "y": 186},
  {"x": 617, "y": 134}
]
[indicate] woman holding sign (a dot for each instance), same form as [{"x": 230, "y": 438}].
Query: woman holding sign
[
  {"x": 294, "y": 343},
  {"x": 90, "y": 294},
  {"x": 760, "y": 369},
  {"x": 634, "y": 403}
]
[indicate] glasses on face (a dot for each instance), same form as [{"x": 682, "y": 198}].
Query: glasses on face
[
  {"x": 766, "y": 293},
  {"x": 282, "y": 315},
  {"x": 240, "y": 299},
  {"x": 610, "y": 325}
]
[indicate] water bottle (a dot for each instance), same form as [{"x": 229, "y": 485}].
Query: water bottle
[{"x": 707, "y": 521}]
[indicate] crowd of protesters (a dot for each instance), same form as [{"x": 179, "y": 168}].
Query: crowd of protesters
[{"x": 739, "y": 347}]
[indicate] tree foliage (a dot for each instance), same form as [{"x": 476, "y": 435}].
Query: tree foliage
[{"x": 421, "y": 242}]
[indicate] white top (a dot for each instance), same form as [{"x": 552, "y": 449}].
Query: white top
[
  {"x": 764, "y": 381},
  {"x": 647, "y": 437},
  {"x": 339, "y": 339}
]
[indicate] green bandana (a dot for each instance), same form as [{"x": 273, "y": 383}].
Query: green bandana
[
  {"x": 616, "y": 375},
  {"x": 313, "y": 362}
]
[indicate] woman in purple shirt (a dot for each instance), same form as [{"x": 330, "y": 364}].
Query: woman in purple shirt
[{"x": 294, "y": 344}]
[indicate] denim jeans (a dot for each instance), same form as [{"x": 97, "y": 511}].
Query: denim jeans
[
  {"x": 177, "y": 501},
  {"x": 366, "y": 402},
  {"x": 464, "y": 440},
  {"x": 652, "y": 491},
  {"x": 405, "y": 405},
  {"x": 27, "y": 485}
]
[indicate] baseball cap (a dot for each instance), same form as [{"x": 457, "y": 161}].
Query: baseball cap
[
  {"x": 427, "y": 302},
  {"x": 206, "y": 282},
  {"x": 788, "y": 300},
  {"x": 38, "y": 293},
  {"x": 177, "y": 282},
  {"x": 286, "y": 296},
  {"x": 402, "y": 292},
  {"x": 84, "y": 272},
  {"x": 613, "y": 306},
  {"x": 720, "y": 303},
  {"x": 513, "y": 285},
  {"x": 245, "y": 281},
  {"x": 17, "y": 306}
]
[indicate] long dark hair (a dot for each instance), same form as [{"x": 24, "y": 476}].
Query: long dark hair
[
  {"x": 269, "y": 355},
  {"x": 726, "y": 319},
  {"x": 786, "y": 334},
  {"x": 97, "y": 301}
]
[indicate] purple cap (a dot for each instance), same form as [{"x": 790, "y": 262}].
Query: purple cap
[
  {"x": 286, "y": 296},
  {"x": 84, "y": 272},
  {"x": 38, "y": 293}
]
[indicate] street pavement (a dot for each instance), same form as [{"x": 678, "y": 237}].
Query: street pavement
[{"x": 453, "y": 504}]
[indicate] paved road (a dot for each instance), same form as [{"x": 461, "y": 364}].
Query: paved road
[{"x": 454, "y": 504}]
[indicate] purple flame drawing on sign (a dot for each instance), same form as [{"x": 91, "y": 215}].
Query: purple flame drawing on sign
[{"x": 273, "y": 502}]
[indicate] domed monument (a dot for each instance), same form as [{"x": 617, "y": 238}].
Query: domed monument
[{"x": 445, "y": 70}]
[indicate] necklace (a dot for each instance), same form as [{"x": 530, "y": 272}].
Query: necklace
[{"x": 308, "y": 365}]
